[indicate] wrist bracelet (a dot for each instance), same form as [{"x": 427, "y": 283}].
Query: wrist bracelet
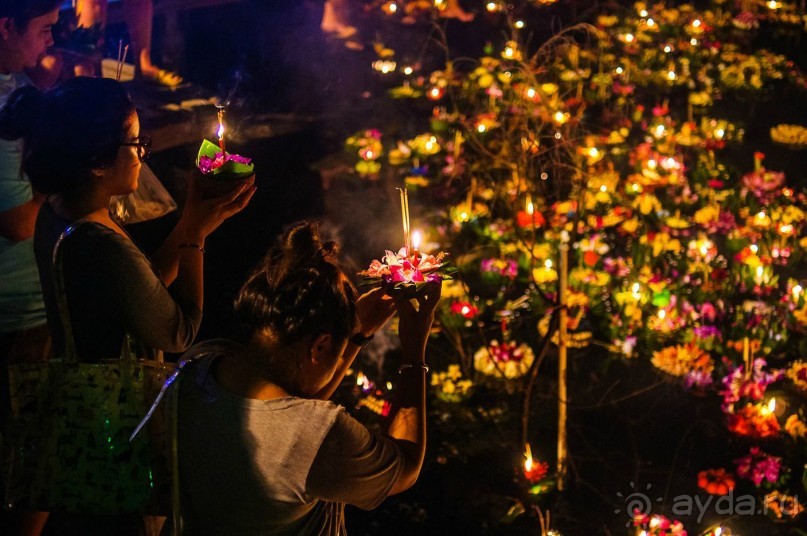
[
  {"x": 405, "y": 366},
  {"x": 191, "y": 245}
]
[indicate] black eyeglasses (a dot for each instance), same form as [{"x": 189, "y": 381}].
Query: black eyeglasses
[{"x": 143, "y": 145}]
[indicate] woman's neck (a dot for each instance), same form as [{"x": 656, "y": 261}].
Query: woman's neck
[
  {"x": 85, "y": 205},
  {"x": 245, "y": 375}
]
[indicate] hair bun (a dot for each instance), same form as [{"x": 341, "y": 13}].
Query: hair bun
[
  {"x": 302, "y": 242},
  {"x": 21, "y": 112}
]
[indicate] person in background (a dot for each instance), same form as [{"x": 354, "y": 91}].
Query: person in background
[
  {"x": 261, "y": 450},
  {"x": 139, "y": 16},
  {"x": 83, "y": 145},
  {"x": 25, "y": 35}
]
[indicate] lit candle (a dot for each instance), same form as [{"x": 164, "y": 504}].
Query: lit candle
[
  {"x": 416, "y": 239},
  {"x": 220, "y": 132}
]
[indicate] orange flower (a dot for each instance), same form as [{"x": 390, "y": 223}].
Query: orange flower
[{"x": 716, "y": 481}]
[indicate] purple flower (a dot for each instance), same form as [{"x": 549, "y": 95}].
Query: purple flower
[{"x": 758, "y": 466}]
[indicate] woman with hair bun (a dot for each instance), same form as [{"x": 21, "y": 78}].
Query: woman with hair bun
[
  {"x": 82, "y": 145},
  {"x": 260, "y": 449}
]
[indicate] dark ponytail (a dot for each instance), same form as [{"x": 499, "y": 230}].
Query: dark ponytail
[
  {"x": 68, "y": 131},
  {"x": 299, "y": 290}
]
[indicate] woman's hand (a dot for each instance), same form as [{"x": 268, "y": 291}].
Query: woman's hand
[
  {"x": 416, "y": 321},
  {"x": 201, "y": 216},
  {"x": 373, "y": 310}
]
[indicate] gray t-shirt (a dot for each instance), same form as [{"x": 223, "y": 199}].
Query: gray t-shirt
[
  {"x": 21, "y": 304},
  {"x": 112, "y": 289},
  {"x": 277, "y": 467}
]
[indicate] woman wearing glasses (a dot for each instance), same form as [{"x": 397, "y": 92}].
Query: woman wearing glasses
[{"x": 83, "y": 145}]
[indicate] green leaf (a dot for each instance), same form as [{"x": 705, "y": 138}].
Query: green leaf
[{"x": 229, "y": 171}]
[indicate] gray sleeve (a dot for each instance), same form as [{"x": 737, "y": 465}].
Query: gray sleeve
[
  {"x": 354, "y": 465},
  {"x": 136, "y": 297}
]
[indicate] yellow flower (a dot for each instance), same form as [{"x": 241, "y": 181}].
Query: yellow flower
[
  {"x": 797, "y": 373},
  {"x": 630, "y": 226},
  {"x": 677, "y": 222},
  {"x": 795, "y": 427},
  {"x": 708, "y": 214},
  {"x": 587, "y": 276},
  {"x": 452, "y": 289},
  {"x": 647, "y": 203},
  {"x": 544, "y": 275},
  {"x": 662, "y": 242},
  {"x": 681, "y": 359}
]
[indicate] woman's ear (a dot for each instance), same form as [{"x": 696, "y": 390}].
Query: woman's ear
[{"x": 322, "y": 347}]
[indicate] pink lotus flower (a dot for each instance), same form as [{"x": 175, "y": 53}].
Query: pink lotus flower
[
  {"x": 400, "y": 268},
  {"x": 207, "y": 164}
]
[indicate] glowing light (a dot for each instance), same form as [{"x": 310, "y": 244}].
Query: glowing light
[
  {"x": 519, "y": 24},
  {"x": 718, "y": 531},
  {"x": 492, "y": 6},
  {"x": 669, "y": 163},
  {"x": 719, "y": 133},
  {"x": 603, "y": 188},
  {"x": 392, "y": 7},
  {"x": 754, "y": 248},
  {"x": 509, "y": 52},
  {"x": 659, "y": 130},
  {"x": 531, "y": 93},
  {"x": 671, "y": 75},
  {"x": 619, "y": 70},
  {"x": 651, "y": 22},
  {"x": 435, "y": 93},
  {"x": 634, "y": 187},
  {"x": 548, "y": 264},
  {"x": 693, "y": 42},
  {"x": 796, "y": 291},
  {"x": 643, "y": 13},
  {"x": 463, "y": 216},
  {"x": 786, "y": 229},
  {"x": 416, "y": 239},
  {"x": 696, "y": 23},
  {"x": 369, "y": 155},
  {"x": 761, "y": 215},
  {"x": 544, "y": 176},
  {"x": 408, "y": 70},
  {"x": 558, "y": 135},
  {"x": 530, "y": 208},
  {"x": 651, "y": 164},
  {"x": 481, "y": 128},
  {"x": 465, "y": 310},
  {"x": 389, "y": 386},
  {"x": 773, "y": 4},
  {"x": 636, "y": 291},
  {"x": 629, "y": 38},
  {"x": 560, "y": 117},
  {"x": 662, "y": 314},
  {"x": 667, "y": 49},
  {"x": 384, "y": 66},
  {"x": 593, "y": 152},
  {"x": 220, "y": 131},
  {"x": 787, "y": 192}
]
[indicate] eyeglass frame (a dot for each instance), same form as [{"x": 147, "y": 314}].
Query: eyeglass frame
[{"x": 143, "y": 145}]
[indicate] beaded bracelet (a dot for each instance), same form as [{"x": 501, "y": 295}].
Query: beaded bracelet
[
  {"x": 192, "y": 245},
  {"x": 410, "y": 365}
]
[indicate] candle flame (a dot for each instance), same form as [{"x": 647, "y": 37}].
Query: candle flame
[
  {"x": 416, "y": 239},
  {"x": 220, "y": 131},
  {"x": 662, "y": 314},
  {"x": 528, "y": 459},
  {"x": 772, "y": 405},
  {"x": 718, "y": 531}
]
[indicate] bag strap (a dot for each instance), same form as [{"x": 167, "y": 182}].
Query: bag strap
[
  {"x": 57, "y": 267},
  {"x": 176, "y": 512},
  {"x": 71, "y": 355}
]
